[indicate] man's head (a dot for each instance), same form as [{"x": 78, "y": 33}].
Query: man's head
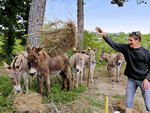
[{"x": 134, "y": 40}]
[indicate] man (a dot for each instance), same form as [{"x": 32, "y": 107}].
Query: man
[{"x": 137, "y": 68}]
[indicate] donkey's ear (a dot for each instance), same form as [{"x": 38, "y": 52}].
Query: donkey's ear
[
  {"x": 95, "y": 49},
  {"x": 19, "y": 66},
  {"x": 37, "y": 50},
  {"x": 7, "y": 67},
  {"x": 74, "y": 49},
  {"x": 85, "y": 51},
  {"x": 89, "y": 48},
  {"x": 28, "y": 48}
]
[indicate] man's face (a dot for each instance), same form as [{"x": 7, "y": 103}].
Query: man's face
[{"x": 133, "y": 42}]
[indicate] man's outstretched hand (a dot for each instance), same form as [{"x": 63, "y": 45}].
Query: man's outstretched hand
[
  {"x": 145, "y": 84},
  {"x": 101, "y": 32}
]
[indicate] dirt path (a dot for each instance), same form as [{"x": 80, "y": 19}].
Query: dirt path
[{"x": 93, "y": 99}]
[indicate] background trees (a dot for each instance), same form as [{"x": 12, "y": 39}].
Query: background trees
[{"x": 13, "y": 25}]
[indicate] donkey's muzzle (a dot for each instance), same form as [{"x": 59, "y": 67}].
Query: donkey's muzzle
[
  {"x": 32, "y": 74},
  {"x": 119, "y": 63},
  {"x": 77, "y": 70}
]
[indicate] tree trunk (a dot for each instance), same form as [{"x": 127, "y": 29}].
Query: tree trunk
[
  {"x": 80, "y": 24},
  {"x": 35, "y": 21}
]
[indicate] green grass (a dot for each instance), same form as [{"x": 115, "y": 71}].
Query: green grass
[
  {"x": 5, "y": 90},
  {"x": 93, "y": 101},
  {"x": 62, "y": 96},
  {"x": 87, "y": 110},
  {"x": 57, "y": 95},
  {"x": 118, "y": 96}
]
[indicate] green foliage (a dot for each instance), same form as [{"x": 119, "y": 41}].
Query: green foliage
[
  {"x": 5, "y": 86},
  {"x": 16, "y": 48},
  {"x": 13, "y": 18}
]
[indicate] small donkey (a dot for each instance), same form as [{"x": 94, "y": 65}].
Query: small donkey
[
  {"x": 16, "y": 69},
  {"x": 77, "y": 64},
  {"x": 41, "y": 64},
  {"x": 114, "y": 62}
]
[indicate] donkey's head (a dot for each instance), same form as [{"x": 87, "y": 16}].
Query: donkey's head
[
  {"x": 15, "y": 74},
  {"x": 92, "y": 53},
  {"x": 33, "y": 59},
  {"x": 79, "y": 59},
  {"x": 102, "y": 55},
  {"x": 119, "y": 58}
]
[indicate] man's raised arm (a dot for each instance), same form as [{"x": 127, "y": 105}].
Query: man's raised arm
[{"x": 101, "y": 32}]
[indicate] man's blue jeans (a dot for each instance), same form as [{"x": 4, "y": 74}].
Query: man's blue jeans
[{"x": 130, "y": 91}]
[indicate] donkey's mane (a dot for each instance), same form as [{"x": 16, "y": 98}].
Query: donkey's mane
[{"x": 15, "y": 59}]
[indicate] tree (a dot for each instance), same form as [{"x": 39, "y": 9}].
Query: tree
[
  {"x": 13, "y": 24},
  {"x": 36, "y": 17},
  {"x": 80, "y": 23},
  {"x": 121, "y": 2}
]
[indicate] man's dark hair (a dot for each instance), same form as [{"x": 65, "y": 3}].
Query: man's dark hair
[{"x": 136, "y": 35}]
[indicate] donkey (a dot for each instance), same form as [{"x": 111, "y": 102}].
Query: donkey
[
  {"x": 114, "y": 61},
  {"x": 41, "y": 64},
  {"x": 106, "y": 56},
  {"x": 16, "y": 69},
  {"x": 90, "y": 62},
  {"x": 76, "y": 62}
]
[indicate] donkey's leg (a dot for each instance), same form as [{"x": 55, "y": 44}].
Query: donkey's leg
[
  {"x": 118, "y": 72},
  {"x": 84, "y": 73},
  {"x": 64, "y": 80},
  {"x": 114, "y": 73},
  {"x": 77, "y": 79},
  {"x": 40, "y": 83},
  {"x": 26, "y": 81},
  {"x": 81, "y": 76},
  {"x": 72, "y": 74},
  {"x": 109, "y": 71},
  {"x": 68, "y": 81},
  {"x": 67, "y": 78},
  {"x": 92, "y": 72},
  {"x": 47, "y": 84}
]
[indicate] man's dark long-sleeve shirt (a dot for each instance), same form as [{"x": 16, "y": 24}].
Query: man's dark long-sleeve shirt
[{"x": 138, "y": 60}]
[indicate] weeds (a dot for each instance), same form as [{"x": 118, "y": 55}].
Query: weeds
[
  {"x": 93, "y": 101},
  {"x": 118, "y": 96}
]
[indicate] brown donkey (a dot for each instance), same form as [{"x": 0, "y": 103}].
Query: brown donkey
[
  {"x": 16, "y": 69},
  {"x": 114, "y": 62},
  {"x": 41, "y": 64}
]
